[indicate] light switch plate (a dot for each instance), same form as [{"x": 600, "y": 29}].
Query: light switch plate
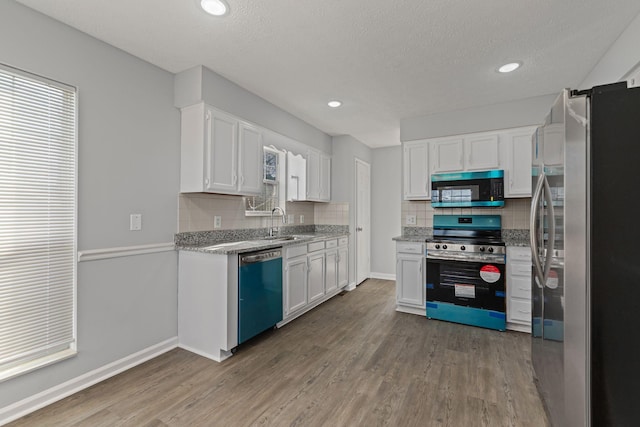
[
  {"x": 301, "y": 219},
  {"x": 411, "y": 220},
  {"x": 217, "y": 221},
  {"x": 135, "y": 222}
]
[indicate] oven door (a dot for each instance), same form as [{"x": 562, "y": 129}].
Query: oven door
[{"x": 471, "y": 292}]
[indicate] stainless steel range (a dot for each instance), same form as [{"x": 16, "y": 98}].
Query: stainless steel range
[{"x": 466, "y": 271}]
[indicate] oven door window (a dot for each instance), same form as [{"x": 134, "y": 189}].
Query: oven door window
[{"x": 471, "y": 284}]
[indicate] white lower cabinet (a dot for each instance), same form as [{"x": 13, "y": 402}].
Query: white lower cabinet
[
  {"x": 295, "y": 284},
  {"x": 519, "y": 288},
  {"x": 331, "y": 271},
  {"x": 410, "y": 278},
  {"x": 315, "y": 281},
  {"x": 314, "y": 272}
]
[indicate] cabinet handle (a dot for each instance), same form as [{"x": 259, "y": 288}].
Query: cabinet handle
[
  {"x": 524, "y": 312},
  {"x": 206, "y": 181},
  {"x": 241, "y": 179},
  {"x": 524, "y": 289},
  {"x": 234, "y": 180}
]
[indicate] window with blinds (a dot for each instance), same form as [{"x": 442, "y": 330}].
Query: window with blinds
[{"x": 37, "y": 221}]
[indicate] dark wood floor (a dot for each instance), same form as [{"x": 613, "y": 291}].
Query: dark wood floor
[{"x": 353, "y": 361}]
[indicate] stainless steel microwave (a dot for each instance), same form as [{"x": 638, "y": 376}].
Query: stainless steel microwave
[{"x": 468, "y": 189}]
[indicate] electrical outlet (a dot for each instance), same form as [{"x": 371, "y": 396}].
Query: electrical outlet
[
  {"x": 217, "y": 221},
  {"x": 301, "y": 219},
  {"x": 290, "y": 219},
  {"x": 411, "y": 220},
  {"x": 135, "y": 222}
]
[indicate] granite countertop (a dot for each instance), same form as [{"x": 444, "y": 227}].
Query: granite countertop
[
  {"x": 518, "y": 237},
  {"x": 228, "y": 247}
]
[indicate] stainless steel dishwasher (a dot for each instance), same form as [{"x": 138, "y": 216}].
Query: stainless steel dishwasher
[{"x": 259, "y": 292}]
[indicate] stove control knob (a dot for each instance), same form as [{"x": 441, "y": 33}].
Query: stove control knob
[
  {"x": 481, "y": 248},
  {"x": 437, "y": 246},
  {"x": 444, "y": 246},
  {"x": 462, "y": 248},
  {"x": 490, "y": 249}
]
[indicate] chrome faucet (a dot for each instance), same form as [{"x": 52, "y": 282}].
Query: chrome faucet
[{"x": 274, "y": 231}]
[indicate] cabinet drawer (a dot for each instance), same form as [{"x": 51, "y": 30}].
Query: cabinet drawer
[
  {"x": 294, "y": 251},
  {"x": 520, "y": 311},
  {"x": 315, "y": 246},
  {"x": 520, "y": 287},
  {"x": 331, "y": 244},
  {"x": 410, "y": 248},
  {"x": 520, "y": 269},
  {"x": 343, "y": 241},
  {"x": 517, "y": 253}
]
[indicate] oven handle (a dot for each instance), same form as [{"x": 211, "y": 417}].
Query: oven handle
[
  {"x": 533, "y": 227},
  {"x": 498, "y": 259}
]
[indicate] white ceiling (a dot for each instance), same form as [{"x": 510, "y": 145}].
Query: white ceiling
[{"x": 386, "y": 60}]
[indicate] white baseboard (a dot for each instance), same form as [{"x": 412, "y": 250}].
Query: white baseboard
[
  {"x": 412, "y": 310},
  {"x": 383, "y": 276},
  {"x": 518, "y": 327},
  {"x": 47, "y": 397}
]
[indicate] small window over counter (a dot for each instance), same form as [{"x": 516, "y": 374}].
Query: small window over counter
[{"x": 273, "y": 184}]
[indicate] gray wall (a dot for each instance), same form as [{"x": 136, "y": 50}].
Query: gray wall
[
  {"x": 201, "y": 84},
  {"x": 386, "y": 199},
  {"x": 523, "y": 112},
  {"x": 128, "y": 163},
  {"x": 621, "y": 58},
  {"x": 343, "y": 186}
]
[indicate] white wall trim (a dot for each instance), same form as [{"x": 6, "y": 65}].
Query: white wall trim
[
  {"x": 47, "y": 397},
  {"x": 105, "y": 253},
  {"x": 382, "y": 276}
]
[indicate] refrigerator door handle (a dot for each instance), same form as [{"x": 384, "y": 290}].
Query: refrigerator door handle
[
  {"x": 533, "y": 233},
  {"x": 551, "y": 240}
]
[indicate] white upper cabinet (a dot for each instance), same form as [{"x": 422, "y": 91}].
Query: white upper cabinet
[
  {"x": 517, "y": 167},
  {"x": 296, "y": 177},
  {"x": 447, "y": 154},
  {"x": 508, "y": 149},
  {"x": 318, "y": 176},
  {"x": 211, "y": 157},
  {"x": 325, "y": 178},
  {"x": 481, "y": 152},
  {"x": 250, "y": 158},
  {"x": 417, "y": 181}
]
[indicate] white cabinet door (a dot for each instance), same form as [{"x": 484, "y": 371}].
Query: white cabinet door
[
  {"x": 447, "y": 155},
  {"x": 410, "y": 278},
  {"x": 315, "y": 283},
  {"x": 313, "y": 175},
  {"x": 519, "y": 288},
  {"x": 250, "y": 158},
  {"x": 296, "y": 177},
  {"x": 481, "y": 152},
  {"x": 343, "y": 266},
  {"x": 295, "y": 284},
  {"x": 325, "y": 178},
  {"x": 221, "y": 153},
  {"x": 518, "y": 165},
  {"x": 331, "y": 271},
  {"x": 417, "y": 181}
]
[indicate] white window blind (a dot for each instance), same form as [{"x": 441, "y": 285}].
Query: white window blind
[{"x": 37, "y": 221}]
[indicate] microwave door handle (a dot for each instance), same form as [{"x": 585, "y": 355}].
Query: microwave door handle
[
  {"x": 533, "y": 229},
  {"x": 551, "y": 242}
]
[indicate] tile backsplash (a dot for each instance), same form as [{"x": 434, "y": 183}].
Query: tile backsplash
[
  {"x": 515, "y": 213},
  {"x": 196, "y": 212}
]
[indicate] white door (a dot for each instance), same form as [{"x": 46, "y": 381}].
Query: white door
[{"x": 363, "y": 221}]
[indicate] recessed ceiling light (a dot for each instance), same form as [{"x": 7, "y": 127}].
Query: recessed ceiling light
[
  {"x": 507, "y": 68},
  {"x": 334, "y": 104},
  {"x": 215, "y": 7}
]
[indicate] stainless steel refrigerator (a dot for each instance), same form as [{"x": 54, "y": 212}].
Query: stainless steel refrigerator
[{"x": 585, "y": 222}]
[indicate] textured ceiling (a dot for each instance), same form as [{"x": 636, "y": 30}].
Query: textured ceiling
[{"x": 386, "y": 60}]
